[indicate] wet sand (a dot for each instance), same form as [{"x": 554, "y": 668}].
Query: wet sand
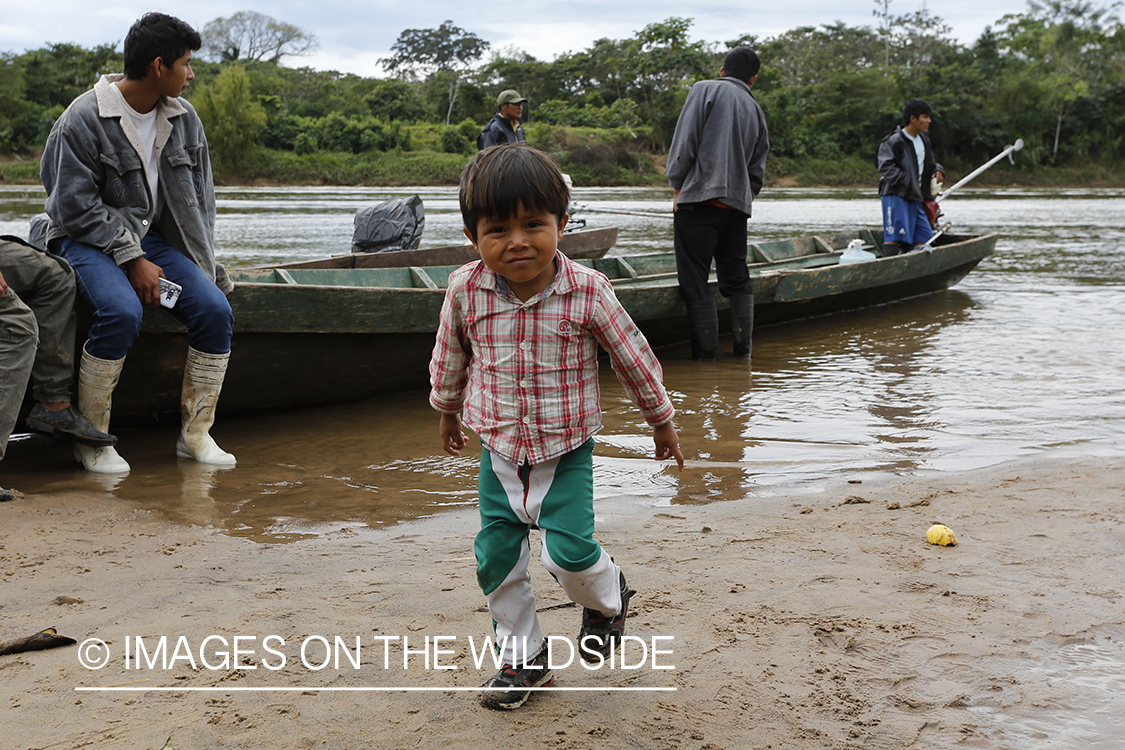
[{"x": 799, "y": 621}]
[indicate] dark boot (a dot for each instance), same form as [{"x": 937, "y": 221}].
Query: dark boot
[
  {"x": 704, "y": 321},
  {"x": 742, "y": 323}
]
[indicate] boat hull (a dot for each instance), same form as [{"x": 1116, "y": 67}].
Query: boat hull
[{"x": 306, "y": 337}]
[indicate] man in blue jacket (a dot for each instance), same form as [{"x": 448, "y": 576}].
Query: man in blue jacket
[
  {"x": 716, "y": 167},
  {"x": 505, "y": 127},
  {"x": 906, "y": 165}
]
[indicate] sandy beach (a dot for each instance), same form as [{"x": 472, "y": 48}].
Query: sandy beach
[{"x": 810, "y": 621}]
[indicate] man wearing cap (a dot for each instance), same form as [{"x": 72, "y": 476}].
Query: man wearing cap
[{"x": 505, "y": 126}]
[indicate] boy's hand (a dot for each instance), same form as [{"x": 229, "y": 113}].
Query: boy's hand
[
  {"x": 667, "y": 444},
  {"x": 452, "y": 438}
]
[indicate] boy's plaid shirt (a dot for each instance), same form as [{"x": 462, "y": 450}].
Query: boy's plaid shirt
[{"x": 526, "y": 373}]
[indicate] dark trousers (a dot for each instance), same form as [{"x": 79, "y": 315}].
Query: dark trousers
[
  {"x": 704, "y": 232},
  {"x": 46, "y": 285}
]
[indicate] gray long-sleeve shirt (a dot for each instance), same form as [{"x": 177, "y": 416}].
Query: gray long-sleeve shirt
[{"x": 720, "y": 145}]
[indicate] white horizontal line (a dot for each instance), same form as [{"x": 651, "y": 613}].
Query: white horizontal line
[{"x": 168, "y": 689}]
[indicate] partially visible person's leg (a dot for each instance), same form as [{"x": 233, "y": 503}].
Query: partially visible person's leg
[
  {"x": 560, "y": 496},
  {"x": 202, "y": 306},
  {"x": 19, "y": 335},
  {"x": 560, "y": 499},
  {"x": 695, "y": 234},
  {"x": 920, "y": 230},
  {"x": 897, "y": 224},
  {"x": 46, "y": 285},
  {"x": 105, "y": 288},
  {"x": 117, "y": 312},
  {"x": 503, "y": 555},
  {"x": 204, "y": 309},
  {"x": 734, "y": 280}
]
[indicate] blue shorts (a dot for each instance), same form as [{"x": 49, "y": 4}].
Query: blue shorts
[{"x": 905, "y": 221}]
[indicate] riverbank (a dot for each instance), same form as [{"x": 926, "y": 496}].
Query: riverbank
[
  {"x": 403, "y": 169},
  {"x": 799, "y": 621}
]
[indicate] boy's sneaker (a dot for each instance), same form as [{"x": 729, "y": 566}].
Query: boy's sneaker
[
  {"x": 516, "y": 686},
  {"x": 600, "y": 634}
]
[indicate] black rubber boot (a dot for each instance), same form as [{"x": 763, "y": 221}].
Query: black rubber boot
[
  {"x": 704, "y": 321},
  {"x": 742, "y": 323}
]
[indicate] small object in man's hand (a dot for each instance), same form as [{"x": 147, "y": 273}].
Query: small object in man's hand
[{"x": 169, "y": 292}]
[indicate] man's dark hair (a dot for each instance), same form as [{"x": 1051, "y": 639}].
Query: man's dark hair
[
  {"x": 157, "y": 35},
  {"x": 741, "y": 63},
  {"x": 914, "y": 108},
  {"x": 500, "y": 178}
]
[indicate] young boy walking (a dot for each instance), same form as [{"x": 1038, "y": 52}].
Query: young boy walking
[{"x": 517, "y": 353}]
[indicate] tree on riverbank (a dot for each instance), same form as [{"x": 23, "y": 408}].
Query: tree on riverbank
[
  {"x": 249, "y": 35},
  {"x": 1051, "y": 75}
]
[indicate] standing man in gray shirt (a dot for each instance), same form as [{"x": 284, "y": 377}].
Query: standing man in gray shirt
[{"x": 716, "y": 166}]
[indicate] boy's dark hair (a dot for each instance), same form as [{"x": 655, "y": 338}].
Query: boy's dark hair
[
  {"x": 914, "y": 108},
  {"x": 500, "y": 178},
  {"x": 741, "y": 63},
  {"x": 157, "y": 35}
]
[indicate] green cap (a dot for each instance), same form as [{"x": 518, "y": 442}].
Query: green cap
[{"x": 511, "y": 96}]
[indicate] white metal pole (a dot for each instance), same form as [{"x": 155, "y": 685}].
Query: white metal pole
[{"x": 1014, "y": 147}]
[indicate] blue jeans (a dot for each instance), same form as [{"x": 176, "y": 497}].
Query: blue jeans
[{"x": 105, "y": 287}]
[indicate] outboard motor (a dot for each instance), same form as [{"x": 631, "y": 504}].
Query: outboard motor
[{"x": 392, "y": 225}]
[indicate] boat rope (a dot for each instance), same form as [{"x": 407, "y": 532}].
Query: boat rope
[{"x": 647, "y": 214}]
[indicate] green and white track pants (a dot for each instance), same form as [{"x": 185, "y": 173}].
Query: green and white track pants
[{"x": 557, "y": 497}]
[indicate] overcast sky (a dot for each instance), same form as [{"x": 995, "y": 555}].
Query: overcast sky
[{"x": 354, "y": 34}]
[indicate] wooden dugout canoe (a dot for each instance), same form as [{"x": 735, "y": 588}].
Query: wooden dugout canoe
[
  {"x": 581, "y": 243},
  {"x": 315, "y": 336}
]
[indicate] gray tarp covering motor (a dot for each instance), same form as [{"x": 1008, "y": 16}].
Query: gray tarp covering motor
[{"x": 392, "y": 225}]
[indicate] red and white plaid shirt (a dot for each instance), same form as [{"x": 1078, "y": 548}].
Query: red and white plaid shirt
[{"x": 526, "y": 373}]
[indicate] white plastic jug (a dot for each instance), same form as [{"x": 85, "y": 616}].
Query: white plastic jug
[{"x": 855, "y": 253}]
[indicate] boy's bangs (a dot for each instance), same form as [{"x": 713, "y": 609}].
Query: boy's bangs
[
  {"x": 501, "y": 199},
  {"x": 501, "y": 179}
]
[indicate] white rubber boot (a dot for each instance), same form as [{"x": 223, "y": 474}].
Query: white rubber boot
[
  {"x": 96, "y": 380},
  {"x": 203, "y": 379}
]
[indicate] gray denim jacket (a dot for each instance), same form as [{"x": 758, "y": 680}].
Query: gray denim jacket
[{"x": 97, "y": 192}]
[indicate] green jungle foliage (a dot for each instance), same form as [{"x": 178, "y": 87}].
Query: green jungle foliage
[{"x": 1053, "y": 76}]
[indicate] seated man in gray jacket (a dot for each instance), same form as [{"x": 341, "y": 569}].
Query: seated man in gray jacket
[
  {"x": 716, "y": 166},
  {"x": 131, "y": 203}
]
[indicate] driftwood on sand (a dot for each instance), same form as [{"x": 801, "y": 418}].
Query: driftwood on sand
[{"x": 43, "y": 639}]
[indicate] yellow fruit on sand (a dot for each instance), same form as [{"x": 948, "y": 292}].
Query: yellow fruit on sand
[{"x": 941, "y": 534}]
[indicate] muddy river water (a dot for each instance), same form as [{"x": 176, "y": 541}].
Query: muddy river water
[{"x": 1024, "y": 356}]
